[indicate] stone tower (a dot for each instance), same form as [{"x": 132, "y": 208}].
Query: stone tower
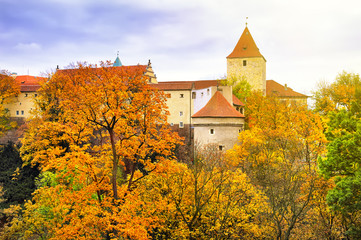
[{"x": 247, "y": 62}]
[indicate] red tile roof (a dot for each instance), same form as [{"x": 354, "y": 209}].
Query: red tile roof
[
  {"x": 236, "y": 101},
  {"x": 205, "y": 84},
  {"x": 246, "y": 47},
  {"x": 29, "y": 83},
  {"x": 274, "y": 88},
  {"x": 173, "y": 85},
  {"x": 200, "y": 84},
  {"x": 219, "y": 107}
]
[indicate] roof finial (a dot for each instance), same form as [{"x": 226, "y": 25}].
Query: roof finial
[{"x": 246, "y": 21}]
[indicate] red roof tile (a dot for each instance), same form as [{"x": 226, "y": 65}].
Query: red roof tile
[
  {"x": 219, "y": 107},
  {"x": 29, "y": 83},
  {"x": 205, "y": 84},
  {"x": 173, "y": 85},
  {"x": 246, "y": 47},
  {"x": 274, "y": 88},
  {"x": 236, "y": 101},
  {"x": 199, "y": 84}
]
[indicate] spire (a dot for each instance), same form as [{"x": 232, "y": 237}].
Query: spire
[
  {"x": 246, "y": 47},
  {"x": 117, "y": 62}
]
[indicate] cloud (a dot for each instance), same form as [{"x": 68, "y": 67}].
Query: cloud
[{"x": 28, "y": 46}]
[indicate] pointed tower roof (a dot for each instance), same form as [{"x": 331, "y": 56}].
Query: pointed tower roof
[
  {"x": 117, "y": 62},
  {"x": 219, "y": 107},
  {"x": 246, "y": 47}
]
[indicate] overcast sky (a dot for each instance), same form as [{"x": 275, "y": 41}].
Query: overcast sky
[{"x": 303, "y": 41}]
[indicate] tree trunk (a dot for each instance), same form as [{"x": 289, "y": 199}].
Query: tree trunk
[{"x": 115, "y": 164}]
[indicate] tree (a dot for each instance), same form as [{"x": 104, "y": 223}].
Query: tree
[
  {"x": 18, "y": 182},
  {"x": 279, "y": 153},
  {"x": 340, "y": 104},
  {"x": 338, "y": 95},
  {"x": 104, "y": 131},
  {"x": 206, "y": 199},
  {"x": 8, "y": 89},
  {"x": 342, "y": 164},
  {"x": 240, "y": 86}
]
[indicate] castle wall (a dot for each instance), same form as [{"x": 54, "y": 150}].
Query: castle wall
[
  {"x": 179, "y": 106},
  {"x": 220, "y": 131},
  {"x": 21, "y": 105},
  {"x": 254, "y": 71}
]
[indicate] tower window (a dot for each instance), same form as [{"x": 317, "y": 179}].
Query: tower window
[
  {"x": 211, "y": 131},
  {"x": 181, "y": 95},
  {"x": 244, "y": 63},
  {"x": 181, "y": 113}
]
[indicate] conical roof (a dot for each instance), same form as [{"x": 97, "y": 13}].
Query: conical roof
[
  {"x": 117, "y": 62},
  {"x": 246, "y": 47},
  {"x": 218, "y": 106}
]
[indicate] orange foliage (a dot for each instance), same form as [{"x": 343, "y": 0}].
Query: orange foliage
[
  {"x": 97, "y": 132},
  {"x": 279, "y": 152}
]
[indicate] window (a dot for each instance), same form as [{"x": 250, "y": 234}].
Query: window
[
  {"x": 181, "y": 125},
  {"x": 181, "y": 95},
  {"x": 211, "y": 131},
  {"x": 22, "y": 112},
  {"x": 172, "y": 124},
  {"x": 201, "y": 94},
  {"x": 19, "y": 103},
  {"x": 181, "y": 113},
  {"x": 35, "y": 95},
  {"x": 194, "y": 95},
  {"x": 207, "y": 91},
  {"x": 17, "y": 112},
  {"x": 221, "y": 147},
  {"x": 244, "y": 63},
  {"x": 26, "y": 94}
]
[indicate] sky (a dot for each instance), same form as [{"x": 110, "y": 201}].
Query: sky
[{"x": 304, "y": 42}]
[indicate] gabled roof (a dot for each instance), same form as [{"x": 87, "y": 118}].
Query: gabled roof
[
  {"x": 218, "y": 107},
  {"x": 236, "y": 101},
  {"x": 276, "y": 89},
  {"x": 29, "y": 83},
  {"x": 246, "y": 47}
]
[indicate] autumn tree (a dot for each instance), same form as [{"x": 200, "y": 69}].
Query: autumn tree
[
  {"x": 8, "y": 90},
  {"x": 338, "y": 95},
  {"x": 104, "y": 131},
  {"x": 279, "y": 153},
  {"x": 206, "y": 199}
]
